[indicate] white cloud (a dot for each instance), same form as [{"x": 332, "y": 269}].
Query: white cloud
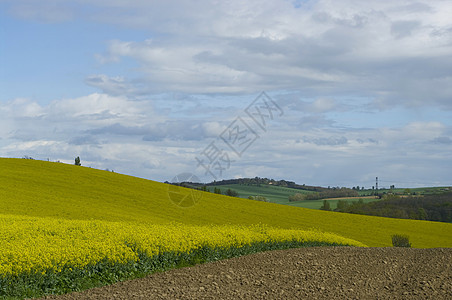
[
  {"x": 323, "y": 105},
  {"x": 396, "y": 52},
  {"x": 123, "y": 135},
  {"x": 22, "y": 108},
  {"x": 385, "y": 49},
  {"x": 323, "y": 60},
  {"x": 413, "y": 133},
  {"x": 99, "y": 107}
]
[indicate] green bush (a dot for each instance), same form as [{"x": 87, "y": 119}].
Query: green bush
[
  {"x": 258, "y": 198},
  {"x": 399, "y": 240},
  {"x": 326, "y": 205},
  {"x": 297, "y": 197}
]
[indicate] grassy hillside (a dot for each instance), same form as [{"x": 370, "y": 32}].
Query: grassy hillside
[{"x": 46, "y": 189}]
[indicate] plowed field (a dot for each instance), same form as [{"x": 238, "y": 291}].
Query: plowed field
[{"x": 305, "y": 273}]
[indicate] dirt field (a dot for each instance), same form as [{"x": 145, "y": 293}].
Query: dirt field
[{"x": 307, "y": 273}]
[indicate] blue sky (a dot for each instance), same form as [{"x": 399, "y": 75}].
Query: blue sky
[{"x": 144, "y": 87}]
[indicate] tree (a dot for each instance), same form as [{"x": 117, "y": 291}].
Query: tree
[
  {"x": 342, "y": 205},
  {"x": 326, "y": 205},
  {"x": 232, "y": 193},
  {"x": 422, "y": 214},
  {"x": 77, "y": 161}
]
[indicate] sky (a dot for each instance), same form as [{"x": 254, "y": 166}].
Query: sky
[{"x": 330, "y": 93}]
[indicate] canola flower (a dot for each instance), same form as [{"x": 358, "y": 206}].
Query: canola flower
[
  {"x": 32, "y": 244},
  {"x": 45, "y": 189}
]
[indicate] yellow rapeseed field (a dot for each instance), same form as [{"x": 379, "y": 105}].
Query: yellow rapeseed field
[
  {"x": 45, "y": 189},
  {"x": 31, "y": 244},
  {"x": 66, "y": 227}
]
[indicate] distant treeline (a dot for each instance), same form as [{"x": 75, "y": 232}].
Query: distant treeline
[
  {"x": 205, "y": 188},
  {"x": 428, "y": 207},
  {"x": 266, "y": 181},
  {"x": 331, "y": 193}
]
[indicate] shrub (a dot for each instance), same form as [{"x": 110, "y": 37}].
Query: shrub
[
  {"x": 297, "y": 197},
  {"x": 399, "y": 240},
  {"x": 326, "y": 205},
  {"x": 258, "y": 198},
  {"x": 232, "y": 193}
]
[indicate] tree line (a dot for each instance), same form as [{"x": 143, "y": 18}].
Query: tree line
[
  {"x": 258, "y": 181},
  {"x": 436, "y": 207},
  {"x": 331, "y": 193}
]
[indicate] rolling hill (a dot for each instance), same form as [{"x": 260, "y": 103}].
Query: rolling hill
[
  {"x": 46, "y": 189},
  {"x": 280, "y": 195}
]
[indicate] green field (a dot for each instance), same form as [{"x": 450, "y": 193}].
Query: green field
[
  {"x": 280, "y": 195},
  {"x": 275, "y": 194},
  {"x": 46, "y": 189},
  {"x": 401, "y": 191}
]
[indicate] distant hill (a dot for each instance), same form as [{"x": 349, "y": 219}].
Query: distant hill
[
  {"x": 280, "y": 191},
  {"x": 257, "y": 181}
]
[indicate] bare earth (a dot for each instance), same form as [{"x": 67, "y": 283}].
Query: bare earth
[{"x": 305, "y": 273}]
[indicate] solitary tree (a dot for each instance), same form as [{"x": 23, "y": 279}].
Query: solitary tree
[
  {"x": 232, "y": 193},
  {"x": 326, "y": 205},
  {"x": 77, "y": 161}
]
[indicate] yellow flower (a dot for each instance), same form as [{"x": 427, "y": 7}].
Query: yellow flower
[{"x": 37, "y": 244}]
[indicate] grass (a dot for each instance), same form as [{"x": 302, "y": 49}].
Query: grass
[
  {"x": 275, "y": 194},
  {"x": 46, "y": 189}
]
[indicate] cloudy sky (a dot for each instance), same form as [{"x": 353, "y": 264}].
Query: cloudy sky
[{"x": 356, "y": 89}]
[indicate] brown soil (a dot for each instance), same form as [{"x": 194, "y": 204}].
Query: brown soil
[{"x": 306, "y": 273}]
